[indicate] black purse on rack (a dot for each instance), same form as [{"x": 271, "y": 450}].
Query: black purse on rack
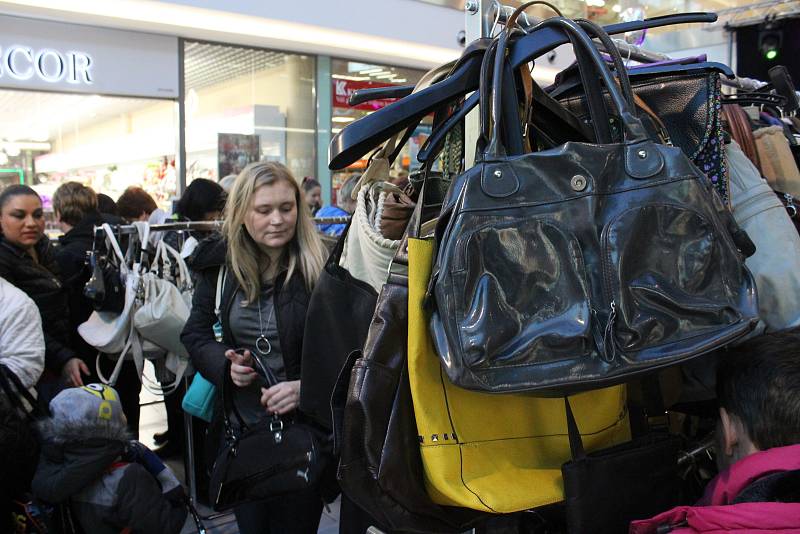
[
  {"x": 607, "y": 489},
  {"x": 687, "y": 100},
  {"x": 275, "y": 457},
  {"x": 584, "y": 265}
]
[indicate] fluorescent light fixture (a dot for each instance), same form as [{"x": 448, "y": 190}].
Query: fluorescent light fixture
[
  {"x": 400, "y": 80},
  {"x": 384, "y": 76},
  {"x": 199, "y": 22},
  {"x": 23, "y": 145},
  {"x": 334, "y": 131},
  {"x": 371, "y": 71},
  {"x": 343, "y": 119},
  {"x": 350, "y": 78},
  {"x": 617, "y": 8}
]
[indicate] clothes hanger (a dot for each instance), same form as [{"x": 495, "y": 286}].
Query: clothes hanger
[{"x": 363, "y": 135}]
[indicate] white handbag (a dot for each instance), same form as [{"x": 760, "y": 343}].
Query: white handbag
[
  {"x": 776, "y": 263},
  {"x": 108, "y": 332},
  {"x": 165, "y": 310}
]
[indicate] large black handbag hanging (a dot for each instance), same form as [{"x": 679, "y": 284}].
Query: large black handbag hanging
[
  {"x": 584, "y": 265},
  {"x": 277, "y": 456}
]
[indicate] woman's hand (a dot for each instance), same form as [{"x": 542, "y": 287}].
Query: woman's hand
[
  {"x": 281, "y": 398},
  {"x": 71, "y": 372},
  {"x": 242, "y": 372}
]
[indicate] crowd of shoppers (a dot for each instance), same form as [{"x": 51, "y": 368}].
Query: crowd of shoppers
[{"x": 268, "y": 257}]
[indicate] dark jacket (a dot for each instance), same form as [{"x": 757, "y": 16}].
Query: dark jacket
[
  {"x": 82, "y": 465},
  {"x": 208, "y": 355},
  {"x": 70, "y": 255},
  {"x": 40, "y": 281}
]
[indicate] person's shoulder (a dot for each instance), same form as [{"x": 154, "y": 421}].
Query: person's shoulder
[
  {"x": 13, "y": 298},
  {"x": 209, "y": 253}
]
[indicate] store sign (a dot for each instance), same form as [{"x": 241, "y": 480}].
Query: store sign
[
  {"x": 344, "y": 89},
  {"x": 23, "y": 63},
  {"x": 53, "y": 56}
]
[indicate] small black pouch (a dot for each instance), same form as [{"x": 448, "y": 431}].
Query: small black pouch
[{"x": 607, "y": 489}]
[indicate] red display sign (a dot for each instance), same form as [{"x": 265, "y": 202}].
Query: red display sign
[{"x": 343, "y": 89}]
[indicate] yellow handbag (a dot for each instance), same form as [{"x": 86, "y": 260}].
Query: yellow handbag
[{"x": 496, "y": 453}]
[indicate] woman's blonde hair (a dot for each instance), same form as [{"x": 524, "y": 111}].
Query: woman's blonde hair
[{"x": 247, "y": 262}]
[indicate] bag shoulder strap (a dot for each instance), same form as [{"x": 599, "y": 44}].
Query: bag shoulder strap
[
  {"x": 575, "y": 441},
  {"x": 16, "y": 393},
  {"x": 221, "y": 277}
]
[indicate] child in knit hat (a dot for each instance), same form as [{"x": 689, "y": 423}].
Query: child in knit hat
[{"x": 110, "y": 482}]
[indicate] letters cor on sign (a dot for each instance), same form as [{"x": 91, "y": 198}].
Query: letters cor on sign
[{"x": 23, "y": 63}]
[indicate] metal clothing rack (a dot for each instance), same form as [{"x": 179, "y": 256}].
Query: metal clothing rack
[
  {"x": 188, "y": 423},
  {"x": 492, "y": 14}
]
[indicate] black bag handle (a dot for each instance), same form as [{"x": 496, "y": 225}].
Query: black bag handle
[
  {"x": 575, "y": 440},
  {"x": 16, "y": 392},
  {"x": 639, "y": 162},
  {"x": 229, "y": 405}
]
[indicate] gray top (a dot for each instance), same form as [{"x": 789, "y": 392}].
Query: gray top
[{"x": 246, "y": 329}]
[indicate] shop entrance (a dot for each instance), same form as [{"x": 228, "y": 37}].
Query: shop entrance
[{"x": 107, "y": 143}]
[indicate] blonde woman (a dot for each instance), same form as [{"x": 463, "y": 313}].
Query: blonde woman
[{"x": 273, "y": 257}]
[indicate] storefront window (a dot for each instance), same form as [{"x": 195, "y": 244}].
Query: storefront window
[
  {"x": 245, "y": 105},
  {"x": 107, "y": 143},
  {"x": 350, "y": 76}
]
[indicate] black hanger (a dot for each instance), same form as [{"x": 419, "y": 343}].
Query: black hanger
[
  {"x": 359, "y": 137},
  {"x": 783, "y": 84},
  {"x": 379, "y": 93}
]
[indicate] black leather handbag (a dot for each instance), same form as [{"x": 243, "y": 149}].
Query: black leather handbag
[
  {"x": 275, "y": 457},
  {"x": 607, "y": 489},
  {"x": 584, "y": 265}
]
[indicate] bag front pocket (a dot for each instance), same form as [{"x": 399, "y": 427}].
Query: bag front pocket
[
  {"x": 665, "y": 278},
  {"x": 522, "y": 295}
]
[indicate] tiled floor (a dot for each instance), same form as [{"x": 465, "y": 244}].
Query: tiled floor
[{"x": 153, "y": 420}]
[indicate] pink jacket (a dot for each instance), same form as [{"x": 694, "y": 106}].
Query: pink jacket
[{"x": 715, "y": 513}]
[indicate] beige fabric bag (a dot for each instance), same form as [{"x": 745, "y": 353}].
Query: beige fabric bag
[{"x": 777, "y": 162}]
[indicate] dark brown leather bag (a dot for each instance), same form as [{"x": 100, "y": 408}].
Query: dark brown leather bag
[{"x": 375, "y": 431}]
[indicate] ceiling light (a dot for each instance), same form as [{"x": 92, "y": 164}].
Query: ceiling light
[
  {"x": 343, "y": 119},
  {"x": 770, "y": 39},
  {"x": 334, "y": 131},
  {"x": 349, "y": 78},
  {"x": 384, "y": 76},
  {"x": 617, "y": 8},
  {"x": 400, "y": 80},
  {"x": 370, "y": 71}
]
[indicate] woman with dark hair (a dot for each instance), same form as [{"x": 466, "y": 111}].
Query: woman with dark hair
[
  {"x": 106, "y": 204},
  {"x": 203, "y": 200},
  {"x": 27, "y": 261}
]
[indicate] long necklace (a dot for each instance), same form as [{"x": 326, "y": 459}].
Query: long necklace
[{"x": 263, "y": 346}]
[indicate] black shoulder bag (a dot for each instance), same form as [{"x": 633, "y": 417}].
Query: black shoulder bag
[
  {"x": 275, "y": 457},
  {"x": 584, "y": 265}
]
